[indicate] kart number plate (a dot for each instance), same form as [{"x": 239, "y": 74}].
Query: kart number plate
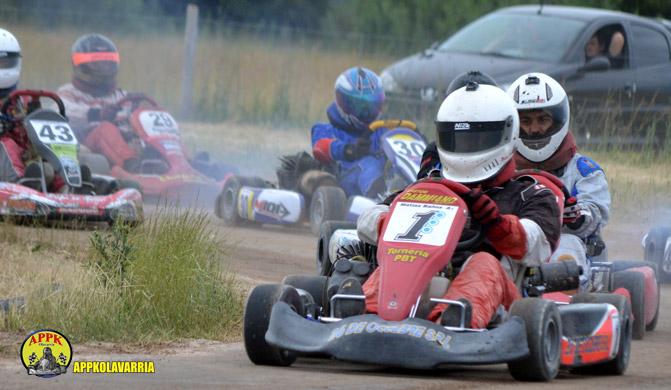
[
  {"x": 408, "y": 147},
  {"x": 420, "y": 223},
  {"x": 54, "y": 132},
  {"x": 158, "y": 123}
]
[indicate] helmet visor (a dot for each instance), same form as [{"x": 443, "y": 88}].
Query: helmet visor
[
  {"x": 473, "y": 137},
  {"x": 560, "y": 116},
  {"x": 9, "y": 60}
]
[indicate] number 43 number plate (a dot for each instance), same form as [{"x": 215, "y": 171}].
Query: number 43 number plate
[{"x": 53, "y": 132}]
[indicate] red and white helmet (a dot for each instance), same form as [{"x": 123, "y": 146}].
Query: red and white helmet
[
  {"x": 538, "y": 91},
  {"x": 10, "y": 61},
  {"x": 477, "y": 128}
]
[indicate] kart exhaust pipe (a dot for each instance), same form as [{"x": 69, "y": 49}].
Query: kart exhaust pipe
[{"x": 551, "y": 277}]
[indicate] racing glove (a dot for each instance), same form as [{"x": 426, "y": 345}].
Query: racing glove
[
  {"x": 482, "y": 207},
  {"x": 357, "y": 150},
  {"x": 505, "y": 232},
  {"x": 575, "y": 214}
]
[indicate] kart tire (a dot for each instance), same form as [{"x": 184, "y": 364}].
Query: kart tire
[
  {"x": 313, "y": 285},
  {"x": 623, "y": 265},
  {"x": 324, "y": 262},
  {"x": 544, "y": 331},
  {"x": 654, "y": 250},
  {"x": 619, "y": 364},
  {"x": 327, "y": 203},
  {"x": 227, "y": 202},
  {"x": 634, "y": 282},
  {"x": 649, "y": 327},
  {"x": 257, "y": 318}
]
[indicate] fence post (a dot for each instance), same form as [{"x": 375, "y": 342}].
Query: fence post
[{"x": 190, "y": 41}]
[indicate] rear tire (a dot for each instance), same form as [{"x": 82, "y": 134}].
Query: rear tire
[
  {"x": 227, "y": 202},
  {"x": 543, "y": 329},
  {"x": 324, "y": 262},
  {"x": 634, "y": 282},
  {"x": 619, "y": 364},
  {"x": 654, "y": 250},
  {"x": 327, "y": 203},
  {"x": 257, "y": 318}
]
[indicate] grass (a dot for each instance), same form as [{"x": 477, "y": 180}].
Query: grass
[
  {"x": 238, "y": 77},
  {"x": 162, "y": 281}
]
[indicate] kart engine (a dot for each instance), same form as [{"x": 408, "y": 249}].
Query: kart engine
[{"x": 551, "y": 277}]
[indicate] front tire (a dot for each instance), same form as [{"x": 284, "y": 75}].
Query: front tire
[
  {"x": 257, "y": 318},
  {"x": 327, "y": 203},
  {"x": 543, "y": 328},
  {"x": 227, "y": 202}
]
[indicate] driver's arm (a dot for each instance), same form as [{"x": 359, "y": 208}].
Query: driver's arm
[{"x": 76, "y": 111}]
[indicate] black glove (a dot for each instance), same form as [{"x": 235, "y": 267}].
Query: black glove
[
  {"x": 358, "y": 149},
  {"x": 482, "y": 207}
]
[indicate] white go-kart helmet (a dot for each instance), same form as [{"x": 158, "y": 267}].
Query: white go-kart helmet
[
  {"x": 477, "y": 128},
  {"x": 538, "y": 91},
  {"x": 10, "y": 60}
]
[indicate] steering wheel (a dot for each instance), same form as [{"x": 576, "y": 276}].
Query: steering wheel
[
  {"x": 31, "y": 99},
  {"x": 134, "y": 99}
]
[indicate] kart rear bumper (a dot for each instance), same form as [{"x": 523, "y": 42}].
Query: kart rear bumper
[{"x": 411, "y": 343}]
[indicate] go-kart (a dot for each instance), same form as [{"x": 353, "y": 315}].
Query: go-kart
[
  {"x": 164, "y": 170},
  {"x": 309, "y": 192},
  {"x": 417, "y": 247},
  {"x": 82, "y": 198},
  {"x": 657, "y": 249}
]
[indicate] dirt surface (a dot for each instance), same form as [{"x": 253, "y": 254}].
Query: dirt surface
[{"x": 271, "y": 253}]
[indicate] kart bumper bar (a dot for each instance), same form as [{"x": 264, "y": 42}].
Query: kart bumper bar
[{"x": 411, "y": 343}]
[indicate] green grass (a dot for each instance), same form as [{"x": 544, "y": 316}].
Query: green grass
[{"x": 161, "y": 281}]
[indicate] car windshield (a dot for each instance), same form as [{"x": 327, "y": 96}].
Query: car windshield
[{"x": 533, "y": 37}]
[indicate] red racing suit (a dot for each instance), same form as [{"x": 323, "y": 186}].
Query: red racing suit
[
  {"x": 526, "y": 234},
  {"x": 98, "y": 135}
]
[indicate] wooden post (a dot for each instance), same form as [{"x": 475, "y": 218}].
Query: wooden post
[{"x": 190, "y": 41}]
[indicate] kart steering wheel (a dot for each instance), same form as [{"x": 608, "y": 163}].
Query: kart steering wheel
[
  {"x": 31, "y": 101},
  {"x": 135, "y": 99}
]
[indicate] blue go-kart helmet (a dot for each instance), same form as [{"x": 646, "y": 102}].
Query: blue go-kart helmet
[{"x": 359, "y": 96}]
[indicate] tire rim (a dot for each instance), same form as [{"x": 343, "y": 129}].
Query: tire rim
[{"x": 551, "y": 342}]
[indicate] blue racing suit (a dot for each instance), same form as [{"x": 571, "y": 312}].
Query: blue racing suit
[{"x": 364, "y": 176}]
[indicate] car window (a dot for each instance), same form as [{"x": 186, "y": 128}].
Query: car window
[
  {"x": 609, "y": 41},
  {"x": 534, "y": 37},
  {"x": 650, "y": 46}
]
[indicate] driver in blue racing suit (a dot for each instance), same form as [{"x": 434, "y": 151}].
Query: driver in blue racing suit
[
  {"x": 346, "y": 140},
  {"x": 546, "y": 143}
]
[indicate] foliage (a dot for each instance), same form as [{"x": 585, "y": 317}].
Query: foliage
[{"x": 160, "y": 281}]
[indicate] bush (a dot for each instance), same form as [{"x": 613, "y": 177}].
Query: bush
[{"x": 160, "y": 281}]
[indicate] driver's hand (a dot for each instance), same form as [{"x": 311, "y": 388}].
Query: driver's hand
[
  {"x": 109, "y": 112},
  {"x": 358, "y": 149},
  {"x": 482, "y": 207}
]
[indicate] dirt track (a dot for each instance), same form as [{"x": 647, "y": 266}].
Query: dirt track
[{"x": 263, "y": 255}]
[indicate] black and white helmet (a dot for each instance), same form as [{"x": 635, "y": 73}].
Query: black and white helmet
[
  {"x": 477, "y": 129},
  {"x": 10, "y": 62},
  {"x": 538, "y": 91}
]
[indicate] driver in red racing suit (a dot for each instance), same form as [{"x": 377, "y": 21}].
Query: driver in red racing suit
[
  {"x": 477, "y": 127},
  {"x": 91, "y": 100}
]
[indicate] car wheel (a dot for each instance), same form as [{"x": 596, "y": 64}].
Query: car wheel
[
  {"x": 257, "y": 318},
  {"x": 543, "y": 327},
  {"x": 634, "y": 283},
  {"x": 327, "y": 203}
]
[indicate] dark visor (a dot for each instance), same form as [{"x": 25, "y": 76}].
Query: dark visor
[
  {"x": 9, "y": 60},
  {"x": 471, "y": 137}
]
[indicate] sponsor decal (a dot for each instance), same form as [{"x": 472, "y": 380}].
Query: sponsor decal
[
  {"x": 46, "y": 353},
  {"x": 581, "y": 346},
  {"x": 462, "y": 126},
  {"x": 274, "y": 210},
  {"x": 407, "y": 255},
  {"x": 538, "y": 99},
  {"x": 410, "y": 330},
  {"x": 418, "y": 195}
]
